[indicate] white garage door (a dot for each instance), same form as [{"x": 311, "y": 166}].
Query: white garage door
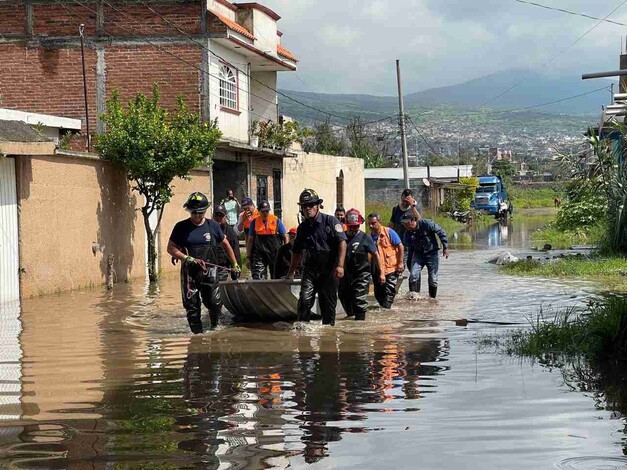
[{"x": 9, "y": 254}]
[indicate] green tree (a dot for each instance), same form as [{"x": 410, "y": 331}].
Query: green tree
[
  {"x": 364, "y": 145},
  {"x": 154, "y": 147},
  {"x": 323, "y": 139},
  {"x": 503, "y": 168}
]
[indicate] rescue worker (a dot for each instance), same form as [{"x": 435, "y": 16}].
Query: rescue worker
[
  {"x": 421, "y": 239},
  {"x": 193, "y": 242},
  {"x": 407, "y": 203},
  {"x": 247, "y": 215},
  {"x": 266, "y": 235},
  {"x": 390, "y": 250},
  {"x": 221, "y": 217},
  {"x": 322, "y": 239},
  {"x": 284, "y": 258},
  {"x": 340, "y": 214},
  {"x": 360, "y": 249}
]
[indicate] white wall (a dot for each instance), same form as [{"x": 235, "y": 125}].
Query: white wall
[
  {"x": 233, "y": 126},
  {"x": 221, "y": 9},
  {"x": 265, "y": 32},
  {"x": 264, "y": 100}
]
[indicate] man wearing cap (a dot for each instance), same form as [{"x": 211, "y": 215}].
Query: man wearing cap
[
  {"x": 265, "y": 236},
  {"x": 420, "y": 237},
  {"x": 194, "y": 241},
  {"x": 246, "y": 217},
  {"x": 322, "y": 238},
  {"x": 390, "y": 250},
  {"x": 220, "y": 216},
  {"x": 284, "y": 258},
  {"x": 360, "y": 249}
]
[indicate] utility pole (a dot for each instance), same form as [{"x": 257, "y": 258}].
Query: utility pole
[
  {"x": 402, "y": 122},
  {"x": 81, "y": 32}
]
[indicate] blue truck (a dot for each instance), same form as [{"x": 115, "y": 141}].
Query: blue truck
[{"x": 491, "y": 197}]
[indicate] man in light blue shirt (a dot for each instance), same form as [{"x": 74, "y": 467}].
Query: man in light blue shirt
[{"x": 232, "y": 207}]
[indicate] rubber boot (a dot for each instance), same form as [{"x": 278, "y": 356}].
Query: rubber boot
[
  {"x": 433, "y": 291},
  {"x": 214, "y": 317},
  {"x": 414, "y": 287}
]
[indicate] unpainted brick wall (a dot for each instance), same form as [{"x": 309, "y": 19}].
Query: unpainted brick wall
[
  {"x": 263, "y": 166},
  {"x": 12, "y": 20}
]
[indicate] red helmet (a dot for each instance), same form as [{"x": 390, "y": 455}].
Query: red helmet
[
  {"x": 353, "y": 217},
  {"x": 291, "y": 231}
]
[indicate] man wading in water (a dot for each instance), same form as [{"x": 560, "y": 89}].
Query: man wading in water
[
  {"x": 360, "y": 249},
  {"x": 322, "y": 238},
  {"x": 193, "y": 242}
]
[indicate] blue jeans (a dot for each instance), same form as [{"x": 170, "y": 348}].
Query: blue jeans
[{"x": 419, "y": 261}]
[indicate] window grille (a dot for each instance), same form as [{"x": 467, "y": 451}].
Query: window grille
[{"x": 228, "y": 88}]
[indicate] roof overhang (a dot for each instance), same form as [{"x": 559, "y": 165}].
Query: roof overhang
[
  {"x": 257, "y": 6},
  {"x": 259, "y": 60},
  {"x": 35, "y": 119},
  {"x": 245, "y": 148}
]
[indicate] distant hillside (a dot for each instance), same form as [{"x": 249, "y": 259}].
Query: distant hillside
[{"x": 534, "y": 89}]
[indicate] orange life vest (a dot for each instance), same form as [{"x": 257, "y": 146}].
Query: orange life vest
[
  {"x": 386, "y": 251},
  {"x": 250, "y": 219},
  {"x": 269, "y": 228}
]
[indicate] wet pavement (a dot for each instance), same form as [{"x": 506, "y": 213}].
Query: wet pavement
[{"x": 113, "y": 380}]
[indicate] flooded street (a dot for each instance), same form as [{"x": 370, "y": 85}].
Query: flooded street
[{"x": 114, "y": 380}]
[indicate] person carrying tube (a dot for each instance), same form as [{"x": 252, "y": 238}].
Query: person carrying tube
[
  {"x": 322, "y": 239},
  {"x": 193, "y": 242},
  {"x": 360, "y": 249},
  {"x": 220, "y": 216},
  {"x": 265, "y": 236},
  {"x": 284, "y": 258},
  {"x": 420, "y": 237},
  {"x": 387, "y": 272}
]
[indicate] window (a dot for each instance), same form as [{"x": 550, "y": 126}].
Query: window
[
  {"x": 262, "y": 188},
  {"x": 276, "y": 190},
  {"x": 339, "y": 188},
  {"x": 228, "y": 88}
]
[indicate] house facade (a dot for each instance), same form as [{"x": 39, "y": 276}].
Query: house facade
[{"x": 221, "y": 57}]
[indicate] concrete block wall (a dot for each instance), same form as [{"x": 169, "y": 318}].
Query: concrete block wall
[{"x": 74, "y": 212}]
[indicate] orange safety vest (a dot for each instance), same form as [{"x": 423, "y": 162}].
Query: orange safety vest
[
  {"x": 386, "y": 251},
  {"x": 250, "y": 219},
  {"x": 269, "y": 228}
]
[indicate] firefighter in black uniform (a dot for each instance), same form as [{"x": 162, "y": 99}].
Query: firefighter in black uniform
[
  {"x": 194, "y": 241},
  {"x": 266, "y": 235},
  {"x": 322, "y": 238},
  {"x": 360, "y": 249}
]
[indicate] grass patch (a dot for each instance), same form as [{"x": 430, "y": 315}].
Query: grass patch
[
  {"x": 531, "y": 198},
  {"x": 570, "y": 266},
  {"x": 596, "y": 332},
  {"x": 564, "y": 239},
  {"x": 443, "y": 220}
]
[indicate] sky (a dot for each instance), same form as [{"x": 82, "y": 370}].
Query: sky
[{"x": 350, "y": 46}]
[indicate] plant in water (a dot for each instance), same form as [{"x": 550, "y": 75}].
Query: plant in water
[{"x": 154, "y": 147}]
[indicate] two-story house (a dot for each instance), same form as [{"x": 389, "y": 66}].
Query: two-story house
[{"x": 222, "y": 57}]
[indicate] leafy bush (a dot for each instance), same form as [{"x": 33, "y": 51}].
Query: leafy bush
[
  {"x": 278, "y": 136},
  {"x": 581, "y": 214}
]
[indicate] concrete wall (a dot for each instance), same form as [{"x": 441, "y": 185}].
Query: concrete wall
[
  {"x": 74, "y": 212},
  {"x": 319, "y": 173},
  {"x": 388, "y": 192},
  {"x": 264, "y": 100}
]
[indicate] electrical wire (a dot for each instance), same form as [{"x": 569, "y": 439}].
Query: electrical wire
[
  {"x": 572, "y": 44},
  {"x": 605, "y": 88},
  {"x": 583, "y": 15}
]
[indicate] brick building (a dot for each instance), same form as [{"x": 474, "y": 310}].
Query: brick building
[{"x": 221, "y": 57}]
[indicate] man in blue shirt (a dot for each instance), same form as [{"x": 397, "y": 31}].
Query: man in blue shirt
[
  {"x": 421, "y": 237},
  {"x": 322, "y": 238},
  {"x": 265, "y": 236}
]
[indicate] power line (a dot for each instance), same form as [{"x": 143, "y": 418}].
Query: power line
[
  {"x": 605, "y": 88},
  {"x": 423, "y": 138},
  {"x": 583, "y": 15},
  {"x": 558, "y": 54}
]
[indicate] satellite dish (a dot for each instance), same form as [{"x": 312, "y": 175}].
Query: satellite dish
[{"x": 426, "y": 182}]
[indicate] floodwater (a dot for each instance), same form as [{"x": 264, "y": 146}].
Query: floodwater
[{"x": 114, "y": 380}]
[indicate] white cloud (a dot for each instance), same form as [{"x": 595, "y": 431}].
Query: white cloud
[{"x": 338, "y": 35}]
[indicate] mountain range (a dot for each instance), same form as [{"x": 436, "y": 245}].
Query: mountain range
[{"x": 511, "y": 89}]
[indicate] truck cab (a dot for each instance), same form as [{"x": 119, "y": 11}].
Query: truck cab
[{"x": 491, "y": 196}]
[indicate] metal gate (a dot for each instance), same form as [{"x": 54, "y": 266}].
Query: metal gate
[{"x": 9, "y": 254}]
